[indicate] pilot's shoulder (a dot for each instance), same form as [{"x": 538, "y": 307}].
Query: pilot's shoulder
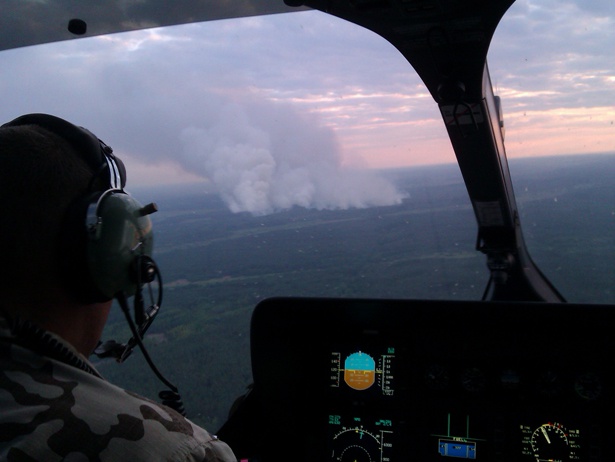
[
  {"x": 52, "y": 410},
  {"x": 190, "y": 442}
]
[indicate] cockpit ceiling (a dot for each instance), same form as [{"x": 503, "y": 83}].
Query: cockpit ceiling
[{"x": 32, "y": 22}]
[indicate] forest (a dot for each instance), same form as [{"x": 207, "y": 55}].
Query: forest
[{"x": 217, "y": 265}]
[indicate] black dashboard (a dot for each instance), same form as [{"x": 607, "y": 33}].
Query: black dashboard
[{"x": 387, "y": 381}]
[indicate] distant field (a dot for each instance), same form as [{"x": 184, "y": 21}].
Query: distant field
[{"x": 217, "y": 265}]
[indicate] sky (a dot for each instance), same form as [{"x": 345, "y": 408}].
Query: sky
[{"x": 302, "y": 108}]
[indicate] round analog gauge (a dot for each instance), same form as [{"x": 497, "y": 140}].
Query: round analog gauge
[
  {"x": 588, "y": 386},
  {"x": 473, "y": 380},
  {"x": 549, "y": 383},
  {"x": 550, "y": 443},
  {"x": 436, "y": 377}
]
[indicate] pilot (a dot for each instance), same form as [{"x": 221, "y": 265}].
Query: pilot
[{"x": 58, "y": 276}]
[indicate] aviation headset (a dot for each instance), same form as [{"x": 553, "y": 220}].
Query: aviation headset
[{"x": 107, "y": 239}]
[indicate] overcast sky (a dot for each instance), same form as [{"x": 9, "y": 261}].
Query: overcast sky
[{"x": 242, "y": 102}]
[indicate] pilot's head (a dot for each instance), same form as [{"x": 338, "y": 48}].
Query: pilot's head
[
  {"x": 41, "y": 176},
  {"x": 68, "y": 228}
]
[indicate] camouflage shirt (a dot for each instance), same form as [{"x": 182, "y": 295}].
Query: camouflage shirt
[{"x": 55, "y": 406}]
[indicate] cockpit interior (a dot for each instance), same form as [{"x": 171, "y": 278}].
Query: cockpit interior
[{"x": 520, "y": 374}]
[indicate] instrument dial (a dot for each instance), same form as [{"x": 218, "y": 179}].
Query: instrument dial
[
  {"x": 356, "y": 444},
  {"x": 364, "y": 440},
  {"x": 550, "y": 443},
  {"x": 436, "y": 377},
  {"x": 473, "y": 380},
  {"x": 588, "y": 386}
]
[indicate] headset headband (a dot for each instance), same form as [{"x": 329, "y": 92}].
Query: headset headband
[{"x": 92, "y": 150}]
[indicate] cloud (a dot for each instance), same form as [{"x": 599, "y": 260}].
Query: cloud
[
  {"x": 552, "y": 46},
  {"x": 551, "y": 62},
  {"x": 266, "y": 157},
  {"x": 141, "y": 91}
]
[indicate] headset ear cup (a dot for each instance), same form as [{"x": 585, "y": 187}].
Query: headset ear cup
[
  {"x": 119, "y": 233},
  {"x": 103, "y": 235}
]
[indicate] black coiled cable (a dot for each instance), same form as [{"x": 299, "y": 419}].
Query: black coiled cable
[{"x": 170, "y": 398}]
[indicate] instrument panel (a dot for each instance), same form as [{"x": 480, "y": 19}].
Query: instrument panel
[{"x": 387, "y": 381}]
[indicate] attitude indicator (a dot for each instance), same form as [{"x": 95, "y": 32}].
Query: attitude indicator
[{"x": 361, "y": 371}]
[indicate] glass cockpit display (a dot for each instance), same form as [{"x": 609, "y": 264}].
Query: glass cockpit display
[
  {"x": 366, "y": 373},
  {"x": 360, "y": 439},
  {"x": 370, "y": 370}
]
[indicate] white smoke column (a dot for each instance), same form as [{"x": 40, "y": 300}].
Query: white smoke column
[{"x": 267, "y": 158}]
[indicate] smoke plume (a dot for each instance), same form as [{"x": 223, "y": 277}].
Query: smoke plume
[{"x": 266, "y": 159}]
